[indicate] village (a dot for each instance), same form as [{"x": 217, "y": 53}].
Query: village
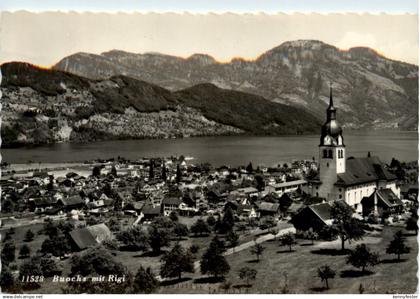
[{"x": 155, "y": 219}]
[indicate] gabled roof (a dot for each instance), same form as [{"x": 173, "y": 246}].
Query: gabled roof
[
  {"x": 90, "y": 235},
  {"x": 268, "y": 206},
  {"x": 148, "y": 209},
  {"x": 389, "y": 197},
  {"x": 323, "y": 210},
  {"x": 364, "y": 170},
  {"x": 171, "y": 201},
  {"x": 72, "y": 200}
]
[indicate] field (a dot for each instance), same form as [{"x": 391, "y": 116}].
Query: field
[
  {"x": 296, "y": 272},
  {"x": 278, "y": 270}
]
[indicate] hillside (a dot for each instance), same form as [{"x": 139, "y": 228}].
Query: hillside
[
  {"x": 47, "y": 106},
  {"x": 372, "y": 90}
]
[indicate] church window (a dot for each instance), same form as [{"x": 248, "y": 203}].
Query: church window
[
  {"x": 328, "y": 164},
  {"x": 330, "y": 155},
  {"x": 325, "y": 153},
  {"x": 340, "y": 196}
]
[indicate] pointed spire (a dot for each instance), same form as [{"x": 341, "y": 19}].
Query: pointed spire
[{"x": 331, "y": 96}]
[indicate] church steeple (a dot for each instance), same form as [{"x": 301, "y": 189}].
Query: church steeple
[
  {"x": 331, "y": 130},
  {"x": 331, "y": 111}
]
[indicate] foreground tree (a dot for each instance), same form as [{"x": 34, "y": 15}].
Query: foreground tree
[
  {"x": 8, "y": 253},
  {"x": 93, "y": 262},
  {"x": 134, "y": 238},
  {"x": 288, "y": 240},
  {"x": 57, "y": 245},
  {"x": 145, "y": 281},
  {"x": 257, "y": 250},
  {"x": 158, "y": 237},
  {"x": 175, "y": 262},
  {"x": 200, "y": 228},
  {"x": 27, "y": 269},
  {"x": 247, "y": 274},
  {"x": 344, "y": 224},
  {"x": 29, "y": 236},
  {"x": 49, "y": 267},
  {"x": 411, "y": 224},
  {"x": 213, "y": 262},
  {"x": 362, "y": 257},
  {"x": 232, "y": 238},
  {"x": 397, "y": 245},
  {"x": 7, "y": 280},
  {"x": 227, "y": 222},
  {"x": 325, "y": 273},
  {"x": 180, "y": 230},
  {"x": 24, "y": 251}
]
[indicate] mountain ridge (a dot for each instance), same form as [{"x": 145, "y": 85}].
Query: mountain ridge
[
  {"x": 46, "y": 106},
  {"x": 372, "y": 91}
]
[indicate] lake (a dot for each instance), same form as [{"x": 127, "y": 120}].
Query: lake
[{"x": 229, "y": 150}]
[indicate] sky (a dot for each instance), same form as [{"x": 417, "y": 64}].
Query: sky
[
  {"x": 220, "y": 28},
  {"x": 268, "y": 6}
]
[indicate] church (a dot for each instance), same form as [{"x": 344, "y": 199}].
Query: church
[{"x": 354, "y": 180}]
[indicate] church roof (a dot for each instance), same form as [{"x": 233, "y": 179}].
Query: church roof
[{"x": 364, "y": 170}]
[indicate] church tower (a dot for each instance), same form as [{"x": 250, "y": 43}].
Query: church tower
[{"x": 332, "y": 153}]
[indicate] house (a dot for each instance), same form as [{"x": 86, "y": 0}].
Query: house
[
  {"x": 150, "y": 211},
  {"x": 381, "y": 203},
  {"x": 268, "y": 209},
  {"x": 71, "y": 203},
  {"x": 83, "y": 238},
  {"x": 315, "y": 216},
  {"x": 286, "y": 187},
  {"x": 170, "y": 204}
]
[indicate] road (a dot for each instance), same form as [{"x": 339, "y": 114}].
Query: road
[{"x": 249, "y": 244}]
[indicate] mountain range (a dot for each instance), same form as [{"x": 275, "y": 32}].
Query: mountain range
[
  {"x": 370, "y": 90},
  {"x": 42, "y": 106}
]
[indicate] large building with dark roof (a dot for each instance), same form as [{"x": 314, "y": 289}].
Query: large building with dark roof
[{"x": 349, "y": 179}]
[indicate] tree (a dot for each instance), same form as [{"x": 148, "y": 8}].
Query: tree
[
  {"x": 397, "y": 245},
  {"x": 158, "y": 237},
  {"x": 29, "y": 236},
  {"x": 152, "y": 170},
  {"x": 200, "y": 228},
  {"x": 27, "y": 269},
  {"x": 7, "y": 280},
  {"x": 97, "y": 261},
  {"x": 24, "y": 251},
  {"x": 194, "y": 249},
  {"x": 228, "y": 221},
  {"x": 175, "y": 262},
  {"x": 96, "y": 171},
  {"x": 362, "y": 257},
  {"x": 145, "y": 281},
  {"x": 249, "y": 168},
  {"x": 232, "y": 238},
  {"x": 325, "y": 273},
  {"x": 213, "y": 262},
  {"x": 247, "y": 274},
  {"x": 311, "y": 235},
  {"x": 344, "y": 224},
  {"x": 173, "y": 216},
  {"x": 411, "y": 224},
  {"x": 134, "y": 238},
  {"x": 211, "y": 221},
  {"x": 57, "y": 245},
  {"x": 288, "y": 240},
  {"x": 164, "y": 174},
  {"x": 49, "y": 267},
  {"x": 260, "y": 183},
  {"x": 180, "y": 230},
  {"x": 257, "y": 250},
  {"x": 8, "y": 253},
  {"x": 178, "y": 174},
  {"x": 113, "y": 171}
]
